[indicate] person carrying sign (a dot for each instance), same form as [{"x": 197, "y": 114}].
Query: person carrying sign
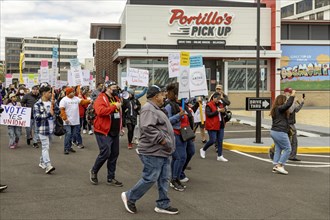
[{"x": 14, "y": 132}]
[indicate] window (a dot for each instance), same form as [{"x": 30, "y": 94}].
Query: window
[
  {"x": 320, "y": 16},
  {"x": 299, "y": 32},
  {"x": 237, "y": 79},
  {"x": 287, "y": 11},
  {"x": 312, "y": 17},
  {"x": 321, "y": 3},
  {"x": 303, "y": 6},
  {"x": 319, "y": 32}
]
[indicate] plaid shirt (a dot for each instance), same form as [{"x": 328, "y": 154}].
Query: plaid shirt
[{"x": 41, "y": 115}]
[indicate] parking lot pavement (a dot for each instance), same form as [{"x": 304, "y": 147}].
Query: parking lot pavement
[{"x": 243, "y": 188}]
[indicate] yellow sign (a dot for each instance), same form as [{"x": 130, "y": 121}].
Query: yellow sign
[
  {"x": 184, "y": 58},
  {"x": 21, "y": 57}
]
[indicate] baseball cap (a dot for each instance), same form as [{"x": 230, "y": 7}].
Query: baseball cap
[
  {"x": 153, "y": 91},
  {"x": 289, "y": 90},
  {"x": 109, "y": 83},
  {"x": 12, "y": 95}
]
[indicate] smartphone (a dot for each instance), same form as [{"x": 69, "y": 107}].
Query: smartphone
[{"x": 303, "y": 95}]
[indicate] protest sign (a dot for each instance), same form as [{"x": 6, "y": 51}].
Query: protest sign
[
  {"x": 54, "y": 58},
  {"x": 173, "y": 65},
  {"x": 86, "y": 76},
  {"x": 15, "y": 116},
  {"x": 44, "y": 74},
  {"x": 184, "y": 82},
  {"x": 138, "y": 77},
  {"x": 184, "y": 58},
  {"x": 197, "y": 82},
  {"x": 196, "y": 61},
  {"x": 44, "y": 63},
  {"x": 123, "y": 82},
  {"x": 9, "y": 80}
]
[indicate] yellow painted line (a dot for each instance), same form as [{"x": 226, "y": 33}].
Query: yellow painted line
[{"x": 265, "y": 149}]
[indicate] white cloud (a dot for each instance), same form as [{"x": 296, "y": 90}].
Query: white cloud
[{"x": 50, "y": 18}]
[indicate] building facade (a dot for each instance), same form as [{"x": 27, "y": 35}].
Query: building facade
[
  {"x": 307, "y": 10},
  {"x": 13, "y": 48}
]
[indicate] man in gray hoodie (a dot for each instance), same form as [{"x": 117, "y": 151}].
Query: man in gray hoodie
[{"x": 156, "y": 145}]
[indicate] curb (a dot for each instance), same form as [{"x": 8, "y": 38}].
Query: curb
[{"x": 265, "y": 149}]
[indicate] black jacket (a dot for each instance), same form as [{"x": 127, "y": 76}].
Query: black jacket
[
  {"x": 29, "y": 100},
  {"x": 280, "y": 121},
  {"x": 129, "y": 110}
]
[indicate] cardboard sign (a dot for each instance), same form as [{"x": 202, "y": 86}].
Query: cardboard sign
[
  {"x": 44, "y": 74},
  {"x": 196, "y": 61},
  {"x": 86, "y": 76},
  {"x": 15, "y": 116},
  {"x": 197, "y": 82},
  {"x": 138, "y": 77},
  {"x": 173, "y": 65},
  {"x": 184, "y": 82},
  {"x": 9, "y": 80}
]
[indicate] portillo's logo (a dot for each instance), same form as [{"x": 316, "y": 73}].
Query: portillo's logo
[{"x": 209, "y": 24}]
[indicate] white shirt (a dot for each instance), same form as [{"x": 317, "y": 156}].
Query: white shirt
[
  {"x": 50, "y": 120},
  {"x": 197, "y": 115},
  {"x": 71, "y": 109}
]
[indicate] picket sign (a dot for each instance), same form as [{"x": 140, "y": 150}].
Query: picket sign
[{"x": 15, "y": 116}]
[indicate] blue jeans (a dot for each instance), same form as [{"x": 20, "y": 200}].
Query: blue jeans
[
  {"x": 33, "y": 127},
  {"x": 282, "y": 147},
  {"x": 71, "y": 134},
  {"x": 156, "y": 169},
  {"x": 213, "y": 137},
  {"x": 45, "y": 145},
  {"x": 14, "y": 133},
  {"x": 190, "y": 153},
  {"x": 109, "y": 151},
  {"x": 179, "y": 156}
]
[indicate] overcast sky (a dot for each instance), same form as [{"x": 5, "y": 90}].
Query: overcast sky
[{"x": 69, "y": 18}]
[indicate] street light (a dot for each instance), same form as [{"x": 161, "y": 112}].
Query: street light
[
  {"x": 258, "y": 113},
  {"x": 59, "y": 55}
]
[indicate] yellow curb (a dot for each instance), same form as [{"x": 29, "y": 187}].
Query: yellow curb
[{"x": 265, "y": 149}]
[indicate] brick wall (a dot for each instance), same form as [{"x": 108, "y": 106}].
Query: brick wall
[{"x": 103, "y": 60}]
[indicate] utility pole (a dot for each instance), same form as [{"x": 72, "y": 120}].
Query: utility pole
[
  {"x": 258, "y": 113},
  {"x": 59, "y": 55}
]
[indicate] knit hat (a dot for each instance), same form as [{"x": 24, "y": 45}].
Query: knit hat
[
  {"x": 289, "y": 90},
  {"x": 69, "y": 90}
]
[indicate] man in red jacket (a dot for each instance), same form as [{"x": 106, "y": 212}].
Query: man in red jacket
[{"x": 107, "y": 127}]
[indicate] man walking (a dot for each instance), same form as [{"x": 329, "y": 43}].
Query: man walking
[
  {"x": 156, "y": 145},
  {"x": 107, "y": 127}
]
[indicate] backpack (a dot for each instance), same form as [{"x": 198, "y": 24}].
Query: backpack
[
  {"x": 59, "y": 129},
  {"x": 90, "y": 114}
]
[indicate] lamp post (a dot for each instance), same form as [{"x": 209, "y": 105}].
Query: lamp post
[
  {"x": 59, "y": 55},
  {"x": 258, "y": 113}
]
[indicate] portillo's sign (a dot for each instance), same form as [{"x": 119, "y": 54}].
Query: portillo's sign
[{"x": 209, "y": 24}]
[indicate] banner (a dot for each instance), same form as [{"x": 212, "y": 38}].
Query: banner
[
  {"x": 138, "y": 77},
  {"x": 21, "y": 57},
  {"x": 196, "y": 61},
  {"x": 173, "y": 65},
  {"x": 15, "y": 116},
  {"x": 9, "y": 80},
  {"x": 184, "y": 58},
  {"x": 197, "y": 82},
  {"x": 184, "y": 82}
]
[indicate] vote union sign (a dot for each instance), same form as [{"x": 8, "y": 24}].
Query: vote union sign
[{"x": 257, "y": 104}]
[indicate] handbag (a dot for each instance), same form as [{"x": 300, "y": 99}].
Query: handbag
[
  {"x": 228, "y": 115},
  {"x": 187, "y": 133}
]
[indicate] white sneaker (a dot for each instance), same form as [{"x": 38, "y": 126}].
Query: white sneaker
[
  {"x": 49, "y": 169},
  {"x": 202, "y": 153},
  {"x": 184, "y": 180},
  {"x": 222, "y": 159},
  {"x": 281, "y": 170},
  {"x": 42, "y": 165},
  {"x": 90, "y": 132},
  {"x": 84, "y": 131}
]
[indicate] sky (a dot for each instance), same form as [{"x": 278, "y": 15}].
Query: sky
[{"x": 69, "y": 18}]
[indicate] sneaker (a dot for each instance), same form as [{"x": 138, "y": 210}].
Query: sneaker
[
  {"x": 93, "y": 177},
  {"x": 12, "y": 146},
  {"x": 176, "y": 186},
  {"x": 179, "y": 182},
  {"x": 49, "y": 169},
  {"x": 281, "y": 170},
  {"x": 35, "y": 145},
  {"x": 202, "y": 153},
  {"x": 90, "y": 132},
  {"x": 184, "y": 180},
  {"x": 130, "y": 206},
  {"x": 72, "y": 150},
  {"x": 169, "y": 210},
  {"x": 80, "y": 146},
  {"x": 74, "y": 144},
  {"x": 130, "y": 146},
  {"x": 204, "y": 141},
  {"x": 114, "y": 182},
  {"x": 84, "y": 131},
  {"x": 222, "y": 159},
  {"x": 42, "y": 165},
  {"x": 66, "y": 151},
  {"x": 2, "y": 187}
]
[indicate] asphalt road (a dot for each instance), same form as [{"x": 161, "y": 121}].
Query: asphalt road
[{"x": 243, "y": 188}]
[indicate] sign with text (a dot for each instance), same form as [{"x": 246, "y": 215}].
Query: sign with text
[
  {"x": 184, "y": 58},
  {"x": 197, "y": 82},
  {"x": 74, "y": 78},
  {"x": 9, "y": 80},
  {"x": 183, "y": 80},
  {"x": 44, "y": 74},
  {"x": 138, "y": 77},
  {"x": 44, "y": 63},
  {"x": 257, "y": 104},
  {"x": 86, "y": 76},
  {"x": 173, "y": 65},
  {"x": 15, "y": 116},
  {"x": 196, "y": 61},
  {"x": 213, "y": 43}
]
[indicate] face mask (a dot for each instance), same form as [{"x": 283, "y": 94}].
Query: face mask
[
  {"x": 21, "y": 91},
  {"x": 114, "y": 92}
]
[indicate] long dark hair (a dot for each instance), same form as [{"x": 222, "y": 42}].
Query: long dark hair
[{"x": 280, "y": 100}]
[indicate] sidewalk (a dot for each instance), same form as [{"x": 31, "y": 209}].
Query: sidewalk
[{"x": 311, "y": 138}]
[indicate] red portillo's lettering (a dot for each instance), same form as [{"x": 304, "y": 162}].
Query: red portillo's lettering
[{"x": 208, "y": 18}]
